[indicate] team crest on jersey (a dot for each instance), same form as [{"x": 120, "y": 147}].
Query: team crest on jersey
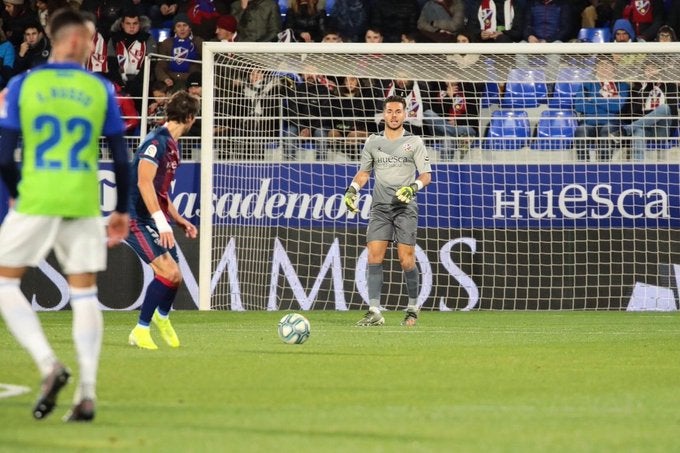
[
  {"x": 408, "y": 148},
  {"x": 151, "y": 150}
]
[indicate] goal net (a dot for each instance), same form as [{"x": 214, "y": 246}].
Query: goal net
[{"x": 555, "y": 174}]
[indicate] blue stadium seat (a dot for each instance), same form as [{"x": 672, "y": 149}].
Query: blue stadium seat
[
  {"x": 160, "y": 34},
  {"x": 508, "y": 130},
  {"x": 569, "y": 84},
  {"x": 595, "y": 35},
  {"x": 525, "y": 88},
  {"x": 491, "y": 94},
  {"x": 555, "y": 130}
]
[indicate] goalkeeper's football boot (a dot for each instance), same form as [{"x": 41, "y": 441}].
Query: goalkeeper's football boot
[
  {"x": 167, "y": 332},
  {"x": 81, "y": 412},
  {"x": 411, "y": 318},
  {"x": 49, "y": 389},
  {"x": 141, "y": 338},
  {"x": 372, "y": 318}
]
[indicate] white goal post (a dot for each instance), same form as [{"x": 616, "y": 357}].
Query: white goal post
[{"x": 555, "y": 174}]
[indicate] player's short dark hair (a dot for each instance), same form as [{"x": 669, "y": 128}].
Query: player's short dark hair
[
  {"x": 65, "y": 17},
  {"x": 394, "y": 98},
  {"x": 182, "y": 106}
]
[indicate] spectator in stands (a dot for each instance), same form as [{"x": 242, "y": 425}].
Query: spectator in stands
[
  {"x": 185, "y": 51},
  {"x": 17, "y": 17},
  {"x": 464, "y": 60},
  {"x": 34, "y": 50},
  {"x": 162, "y": 13},
  {"x": 654, "y": 103},
  {"x": 395, "y": 17},
  {"x": 128, "y": 47},
  {"x": 106, "y": 13},
  {"x": 440, "y": 20},
  {"x": 309, "y": 108},
  {"x": 306, "y": 20},
  {"x": 374, "y": 36},
  {"x": 225, "y": 29},
  {"x": 623, "y": 32},
  {"x": 7, "y": 56},
  {"x": 41, "y": 11},
  {"x": 645, "y": 16},
  {"x": 44, "y": 8},
  {"x": 600, "y": 104},
  {"x": 353, "y": 116},
  {"x": 203, "y": 15},
  {"x": 159, "y": 100},
  {"x": 453, "y": 114},
  {"x": 350, "y": 16},
  {"x": 666, "y": 33},
  {"x": 499, "y": 21},
  {"x": 98, "y": 59},
  {"x": 194, "y": 87},
  {"x": 331, "y": 36},
  {"x": 256, "y": 98},
  {"x": 547, "y": 21},
  {"x": 258, "y": 20},
  {"x": 598, "y": 14}
]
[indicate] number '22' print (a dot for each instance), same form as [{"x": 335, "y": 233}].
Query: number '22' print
[{"x": 80, "y": 131}]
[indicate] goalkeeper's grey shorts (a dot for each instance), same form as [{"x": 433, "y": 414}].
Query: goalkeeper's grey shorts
[{"x": 397, "y": 222}]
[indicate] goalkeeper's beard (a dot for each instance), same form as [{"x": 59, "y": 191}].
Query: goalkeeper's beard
[{"x": 394, "y": 129}]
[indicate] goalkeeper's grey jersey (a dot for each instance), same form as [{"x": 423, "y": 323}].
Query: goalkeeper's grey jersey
[{"x": 394, "y": 163}]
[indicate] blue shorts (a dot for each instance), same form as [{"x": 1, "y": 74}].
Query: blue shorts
[{"x": 145, "y": 241}]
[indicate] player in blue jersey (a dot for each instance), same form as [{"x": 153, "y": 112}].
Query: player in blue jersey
[
  {"x": 151, "y": 236},
  {"x": 394, "y": 157},
  {"x": 60, "y": 110}
]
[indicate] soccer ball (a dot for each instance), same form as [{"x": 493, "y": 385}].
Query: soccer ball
[{"x": 294, "y": 329}]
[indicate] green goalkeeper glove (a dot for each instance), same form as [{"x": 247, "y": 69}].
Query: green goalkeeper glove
[
  {"x": 351, "y": 198},
  {"x": 406, "y": 193}
]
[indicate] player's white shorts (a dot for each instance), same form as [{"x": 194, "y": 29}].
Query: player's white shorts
[{"x": 79, "y": 244}]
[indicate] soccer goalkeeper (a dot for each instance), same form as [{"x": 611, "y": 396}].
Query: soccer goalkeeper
[{"x": 394, "y": 156}]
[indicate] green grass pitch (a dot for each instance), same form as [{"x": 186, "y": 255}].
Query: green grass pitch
[{"x": 468, "y": 382}]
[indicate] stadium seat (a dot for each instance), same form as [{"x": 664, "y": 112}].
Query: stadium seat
[
  {"x": 526, "y": 88},
  {"x": 508, "y": 130},
  {"x": 569, "y": 83},
  {"x": 555, "y": 130},
  {"x": 491, "y": 95},
  {"x": 595, "y": 35},
  {"x": 160, "y": 34}
]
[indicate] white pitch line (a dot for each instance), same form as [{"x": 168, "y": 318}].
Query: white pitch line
[{"x": 9, "y": 390}]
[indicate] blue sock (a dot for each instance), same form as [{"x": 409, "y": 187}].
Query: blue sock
[{"x": 160, "y": 293}]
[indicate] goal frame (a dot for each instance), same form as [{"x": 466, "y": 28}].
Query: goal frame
[{"x": 208, "y": 80}]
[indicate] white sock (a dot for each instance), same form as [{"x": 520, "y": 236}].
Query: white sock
[
  {"x": 24, "y": 324},
  {"x": 88, "y": 328}
]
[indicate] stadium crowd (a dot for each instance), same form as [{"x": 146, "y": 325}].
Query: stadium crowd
[{"x": 128, "y": 30}]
